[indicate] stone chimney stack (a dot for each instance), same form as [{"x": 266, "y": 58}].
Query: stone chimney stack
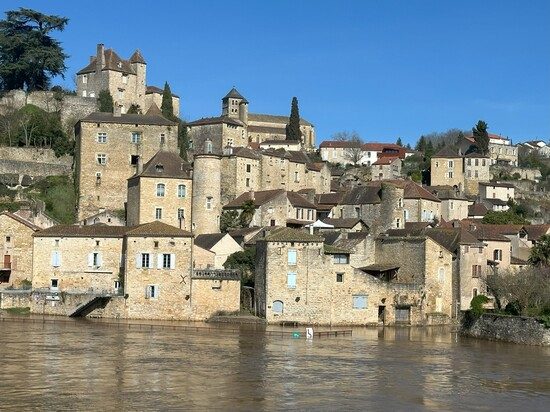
[
  {"x": 251, "y": 194},
  {"x": 117, "y": 110},
  {"x": 139, "y": 168},
  {"x": 100, "y": 57}
]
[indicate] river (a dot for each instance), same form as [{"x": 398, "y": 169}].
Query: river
[{"x": 91, "y": 365}]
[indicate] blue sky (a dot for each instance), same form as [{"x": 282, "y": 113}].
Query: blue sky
[{"x": 386, "y": 69}]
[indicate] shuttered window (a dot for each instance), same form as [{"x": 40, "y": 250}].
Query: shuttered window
[
  {"x": 56, "y": 259},
  {"x": 359, "y": 301},
  {"x": 292, "y": 255},
  {"x": 291, "y": 280}
]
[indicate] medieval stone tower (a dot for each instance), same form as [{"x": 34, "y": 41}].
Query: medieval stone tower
[
  {"x": 206, "y": 206},
  {"x": 235, "y": 105},
  {"x": 391, "y": 208}
]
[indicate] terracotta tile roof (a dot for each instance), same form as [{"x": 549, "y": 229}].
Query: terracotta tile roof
[
  {"x": 518, "y": 261},
  {"x": 411, "y": 190},
  {"x": 298, "y": 222},
  {"x": 381, "y": 147},
  {"x": 20, "y": 220},
  {"x": 209, "y": 240},
  {"x": 287, "y": 234},
  {"x": 488, "y": 232},
  {"x": 167, "y": 165},
  {"x": 534, "y": 232},
  {"x": 342, "y": 223},
  {"x": 336, "y": 250},
  {"x": 291, "y": 155},
  {"x": 445, "y": 192},
  {"x": 270, "y": 118},
  {"x": 379, "y": 267},
  {"x": 339, "y": 144},
  {"x": 157, "y": 229},
  {"x": 317, "y": 167},
  {"x": 100, "y": 117},
  {"x": 216, "y": 120},
  {"x": 475, "y": 154}
]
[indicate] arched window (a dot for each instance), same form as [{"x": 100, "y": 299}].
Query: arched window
[
  {"x": 161, "y": 188},
  {"x": 278, "y": 306},
  {"x": 182, "y": 190}
]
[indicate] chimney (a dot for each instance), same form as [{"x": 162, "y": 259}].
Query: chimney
[
  {"x": 117, "y": 110},
  {"x": 92, "y": 58},
  {"x": 100, "y": 57},
  {"x": 251, "y": 194},
  {"x": 139, "y": 165}
]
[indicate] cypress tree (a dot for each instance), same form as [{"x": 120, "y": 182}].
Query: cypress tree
[
  {"x": 481, "y": 137},
  {"x": 293, "y": 131},
  {"x": 166, "y": 106},
  {"x": 105, "y": 102},
  {"x": 399, "y": 142},
  {"x": 421, "y": 144}
]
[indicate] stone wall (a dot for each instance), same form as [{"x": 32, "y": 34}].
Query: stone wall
[
  {"x": 33, "y": 162},
  {"x": 15, "y": 299},
  {"x": 515, "y": 329},
  {"x": 16, "y": 243}
]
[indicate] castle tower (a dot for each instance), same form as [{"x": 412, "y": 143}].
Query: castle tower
[
  {"x": 206, "y": 206},
  {"x": 235, "y": 105},
  {"x": 140, "y": 68}
]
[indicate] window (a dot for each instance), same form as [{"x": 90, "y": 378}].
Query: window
[
  {"x": 208, "y": 146},
  {"x": 124, "y": 79},
  {"x": 98, "y": 178},
  {"x": 400, "y": 203},
  {"x": 441, "y": 275},
  {"x": 85, "y": 79},
  {"x": 116, "y": 285},
  {"x": 296, "y": 177},
  {"x": 83, "y": 93},
  {"x": 181, "y": 214},
  {"x": 94, "y": 260},
  {"x": 152, "y": 292},
  {"x": 143, "y": 260},
  {"x": 476, "y": 271},
  {"x": 476, "y": 173},
  {"x": 291, "y": 280},
  {"x": 340, "y": 258},
  {"x": 158, "y": 213},
  {"x": 54, "y": 284},
  {"x": 134, "y": 160},
  {"x": 56, "y": 242},
  {"x": 397, "y": 223},
  {"x": 406, "y": 214},
  {"x": 166, "y": 261},
  {"x": 248, "y": 168},
  {"x": 359, "y": 301},
  {"x": 450, "y": 175},
  {"x": 136, "y": 137},
  {"x": 469, "y": 173},
  {"x": 102, "y": 137},
  {"x": 451, "y": 205},
  {"x": 161, "y": 189},
  {"x": 182, "y": 191},
  {"x": 339, "y": 277},
  {"x": 357, "y": 212},
  {"x": 8, "y": 239},
  {"x": 56, "y": 259},
  {"x": 436, "y": 164},
  {"x": 97, "y": 242},
  {"x": 451, "y": 163},
  {"x": 247, "y": 182},
  {"x": 497, "y": 254},
  {"x": 156, "y": 243},
  {"x": 162, "y": 138},
  {"x": 483, "y": 162},
  {"x": 477, "y": 162},
  {"x": 101, "y": 159},
  {"x": 272, "y": 222},
  {"x": 292, "y": 256},
  {"x": 278, "y": 306},
  {"x": 469, "y": 162},
  {"x": 209, "y": 203}
]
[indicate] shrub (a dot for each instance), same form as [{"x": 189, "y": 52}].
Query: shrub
[{"x": 476, "y": 305}]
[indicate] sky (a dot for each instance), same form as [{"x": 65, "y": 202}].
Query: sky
[{"x": 385, "y": 69}]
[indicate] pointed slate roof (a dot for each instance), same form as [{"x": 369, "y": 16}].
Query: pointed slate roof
[
  {"x": 234, "y": 94},
  {"x": 154, "y": 110},
  {"x": 137, "y": 57}
]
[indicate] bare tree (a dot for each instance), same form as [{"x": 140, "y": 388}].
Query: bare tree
[
  {"x": 354, "y": 151},
  {"x": 28, "y": 124},
  {"x": 8, "y": 123}
]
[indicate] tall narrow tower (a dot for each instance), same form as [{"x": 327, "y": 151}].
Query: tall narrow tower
[
  {"x": 235, "y": 105},
  {"x": 140, "y": 67},
  {"x": 207, "y": 208}
]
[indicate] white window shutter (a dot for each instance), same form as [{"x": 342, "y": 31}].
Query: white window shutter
[
  {"x": 159, "y": 261},
  {"x": 138, "y": 260},
  {"x": 151, "y": 266},
  {"x": 53, "y": 258},
  {"x": 90, "y": 259},
  {"x": 58, "y": 254},
  {"x": 147, "y": 292},
  {"x": 172, "y": 260},
  {"x": 99, "y": 260}
]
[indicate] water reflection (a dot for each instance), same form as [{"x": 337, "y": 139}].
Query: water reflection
[{"x": 90, "y": 365}]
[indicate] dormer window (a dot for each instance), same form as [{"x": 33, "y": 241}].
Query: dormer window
[
  {"x": 159, "y": 168},
  {"x": 119, "y": 65}
]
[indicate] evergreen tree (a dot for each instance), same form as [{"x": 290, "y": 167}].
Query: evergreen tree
[
  {"x": 29, "y": 56},
  {"x": 183, "y": 140},
  {"x": 134, "y": 109},
  {"x": 293, "y": 131},
  {"x": 421, "y": 144},
  {"x": 481, "y": 137},
  {"x": 105, "y": 102},
  {"x": 429, "y": 150},
  {"x": 166, "y": 106},
  {"x": 399, "y": 142},
  {"x": 408, "y": 147}
]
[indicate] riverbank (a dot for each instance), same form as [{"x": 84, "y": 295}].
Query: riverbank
[{"x": 515, "y": 329}]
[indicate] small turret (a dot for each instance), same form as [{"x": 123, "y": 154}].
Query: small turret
[{"x": 235, "y": 105}]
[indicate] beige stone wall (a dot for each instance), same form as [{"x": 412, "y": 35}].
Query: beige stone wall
[
  {"x": 320, "y": 181},
  {"x": 202, "y": 258},
  {"x": 274, "y": 172},
  {"x": 438, "y": 278},
  {"x": 15, "y": 299},
  {"x": 275, "y": 210},
  {"x": 111, "y": 193},
  {"x": 233, "y": 136},
  {"x": 206, "y": 194},
  {"x": 239, "y": 175},
  {"x": 496, "y": 192},
  {"x": 422, "y": 210},
  {"x": 15, "y": 242},
  {"x": 76, "y": 272},
  {"x": 507, "y": 153},
  {"x": 475, "y": 170},
  {"x": 383, "y": 172},
  {"x": 223, "y": 249},
  {"x": 211, "y": 297},
  {"x": 470, "y": 256},
  {"x": 156, "y": 98},
  {"x": 173, "y": 285},
  {"x": 505, "y": 247},
  {"x": 454, "y": 209},
  {"x": 148, "y": 202},
  {"x": 441, "y": 169}
]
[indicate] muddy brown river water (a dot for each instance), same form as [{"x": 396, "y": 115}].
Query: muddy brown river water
[{"x": 90, "y": 365}]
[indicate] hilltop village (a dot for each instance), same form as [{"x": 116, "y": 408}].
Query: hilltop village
[{"x": 338, "y": 234}]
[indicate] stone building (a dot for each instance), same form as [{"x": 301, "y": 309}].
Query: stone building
[
  {"x": 496, "y": 190},
  {"x": 206, "y": 206},
  {"x": 501, "y": 149},
  {"x": 124, "y": 79},
  {"x": 110, "y": 148},
  {"x": 355, "y": 152},
  {"x": 386, "y": 168},
  {"x": 210, "y": 251},
  {"x": 275, "y": 208},
  {"x": 104, "y": 217},
  {"x": 237, "y": 127},
  {"x": 17, "y": 252},
  {"x": 161, "y": 191},
  {"x": 140, "y": 272},
  {"x": 454, "y": 205}
]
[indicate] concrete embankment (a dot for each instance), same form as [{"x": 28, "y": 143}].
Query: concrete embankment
[{"x": 515, "y": 329}]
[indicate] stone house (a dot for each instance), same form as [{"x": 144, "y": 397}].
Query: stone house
[
  {"x": 276, "y": 208},
  {"x": 538, "y": 146},
  {"x": 501, "y": 150},
  {"x": 476, "y": 171},
  {"x": 124, "y": 79},
  {"x": 496, "y": 190},
  {"x": 454, "y": 205},
  {"x": 210, "y": 251},
  {"x": 104, "y": 217},
  {"x": 340, "y": 152},
  {"x": 143, "y": 272},
  {"x": 109, "y": 149},
  {"x": 241, "y": 171},
  {"x": 17, "y": 251},
  {"x": 299, "y": 279},
  {"x": 161, "y": 191},
  {"x": 346, "y": 225},
  {"x": 290, "y": 145},
  {"x": 237, "y": 127},
  {"x": 386, "y": 168}
]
